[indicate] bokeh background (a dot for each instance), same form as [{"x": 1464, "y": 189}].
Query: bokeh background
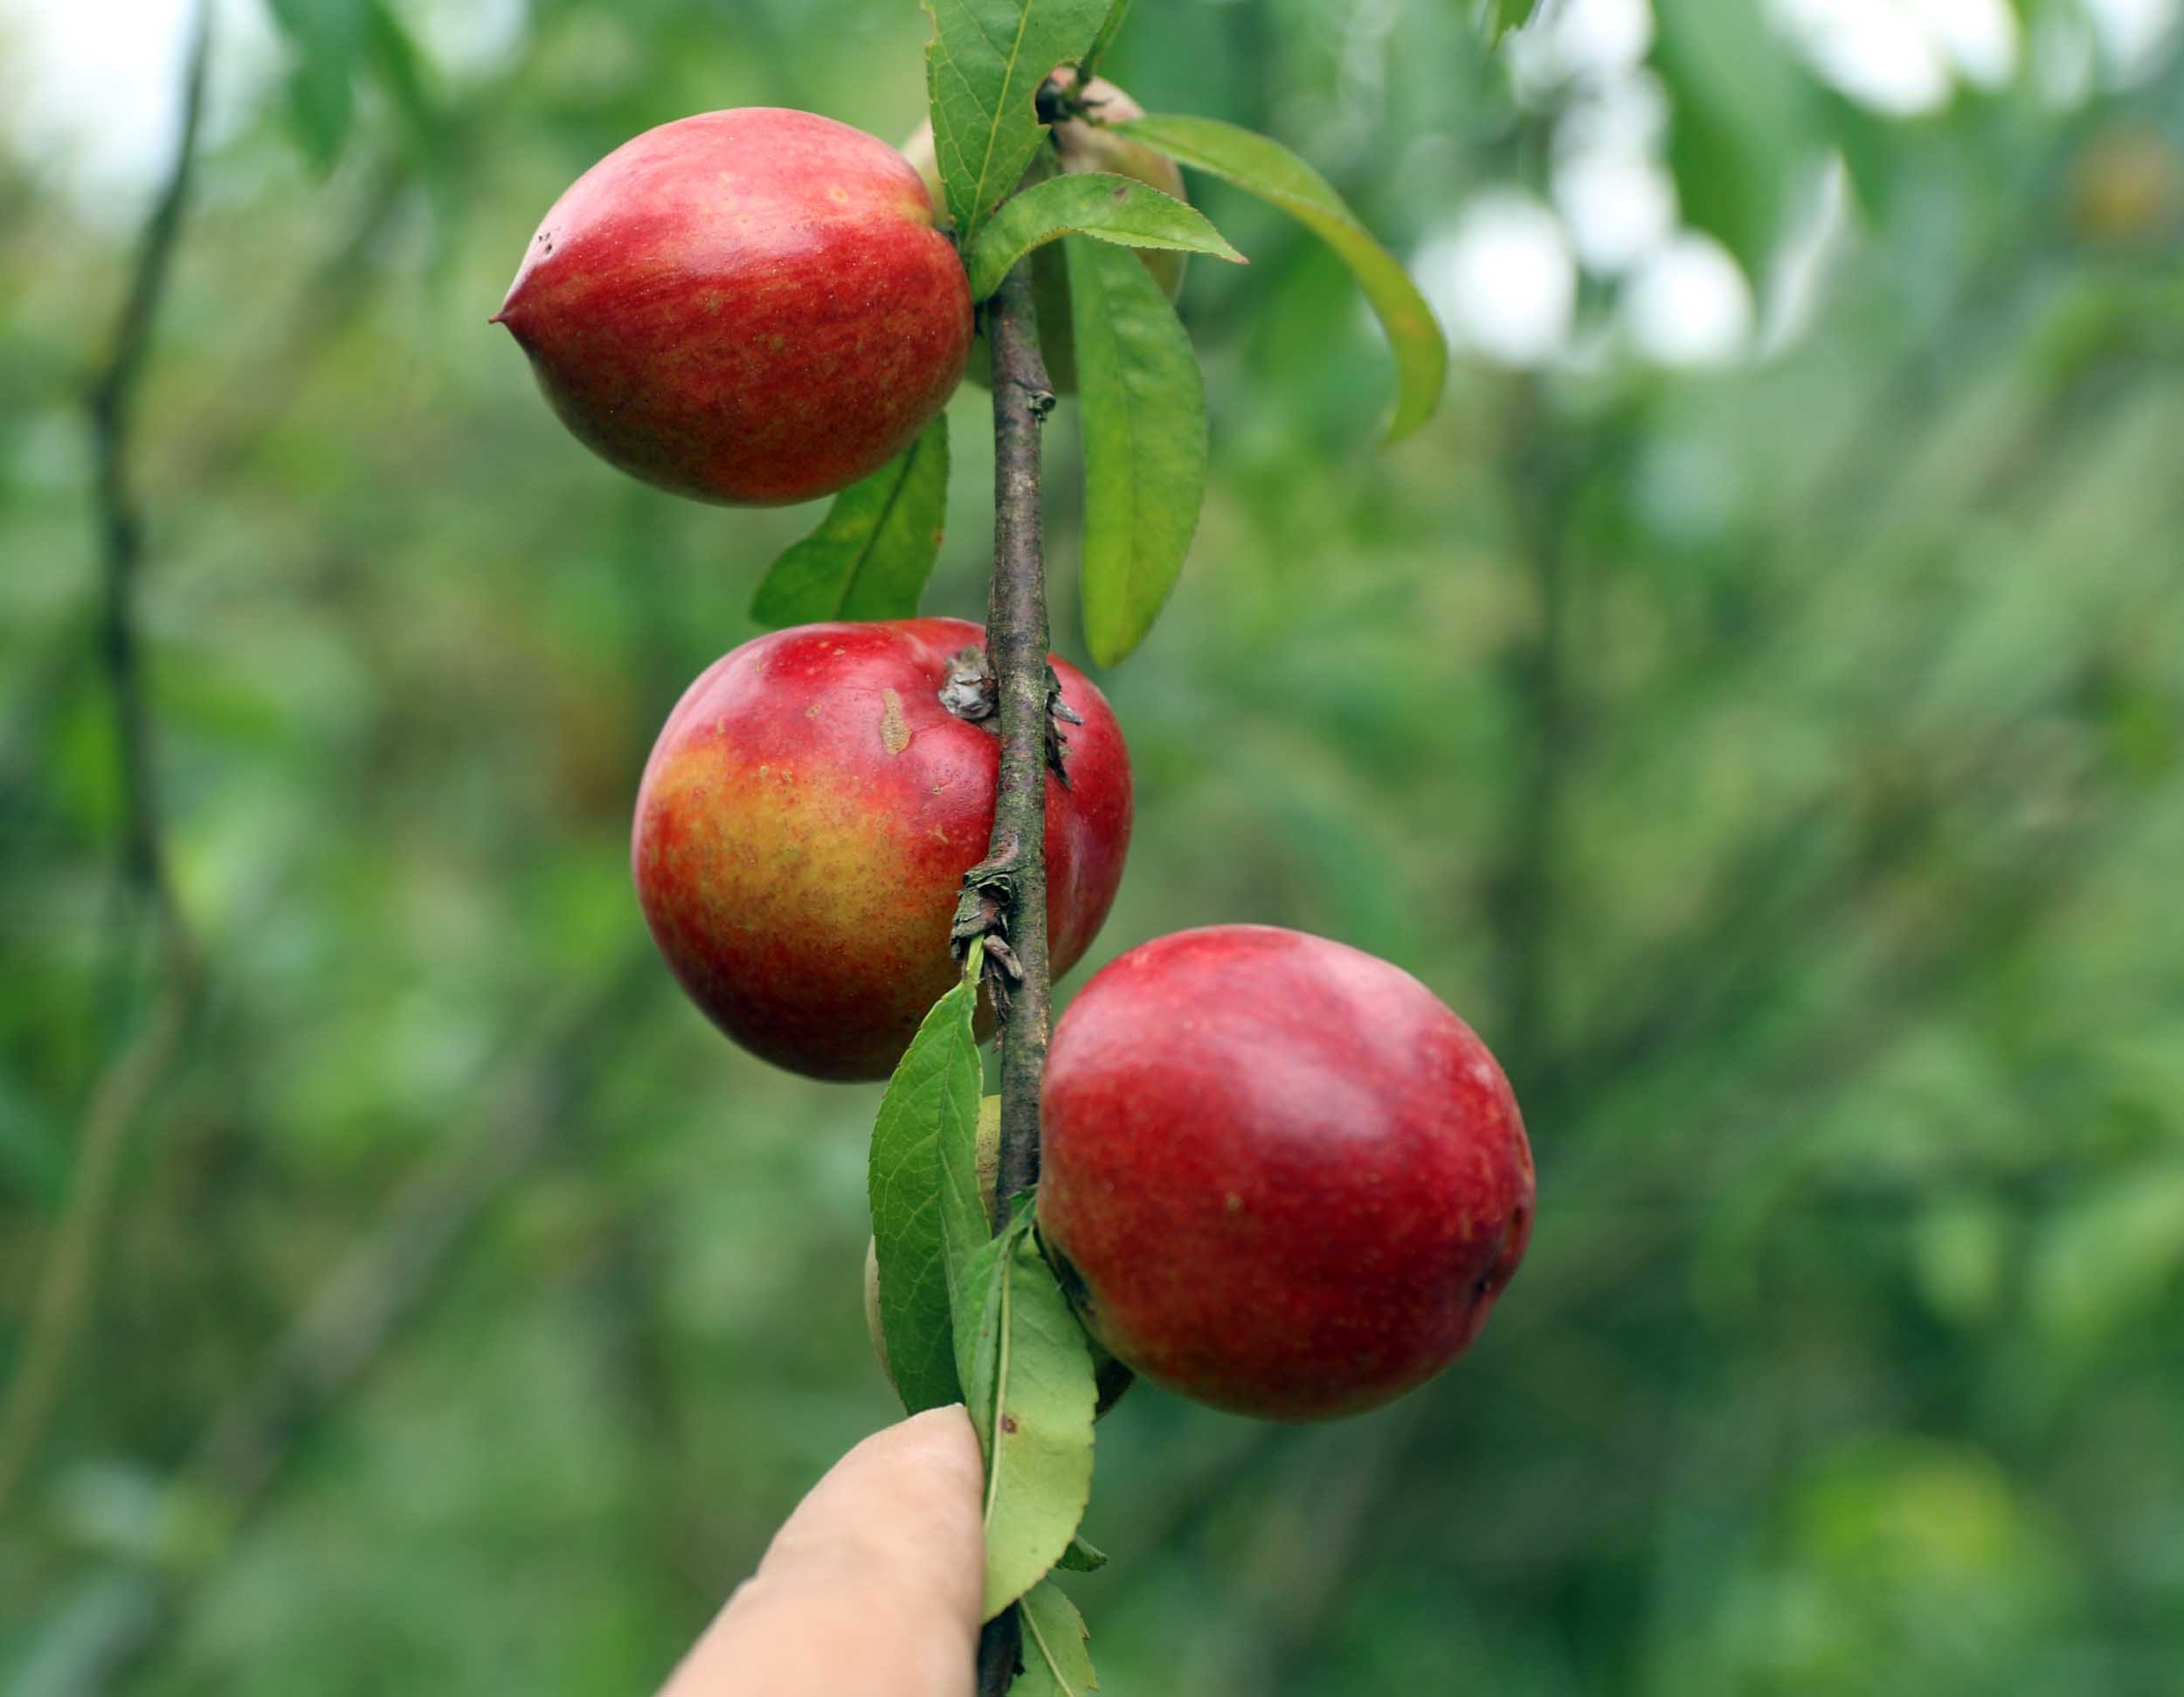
[{"x": 1756, "y": 703}]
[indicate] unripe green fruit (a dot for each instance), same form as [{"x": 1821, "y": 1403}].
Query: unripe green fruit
[
  {"x": 1078, "y": 146},
  {"x": 1113, "y": 1378}
]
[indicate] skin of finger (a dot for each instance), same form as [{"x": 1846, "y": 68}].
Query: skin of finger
[{"x": 872, "y": 1586}]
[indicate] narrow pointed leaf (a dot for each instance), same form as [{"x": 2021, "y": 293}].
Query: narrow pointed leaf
[
  {"x": 1144, "y": 444},
  {"x": 401, "y": 70},
  {"x": 1113, "y": 209},
  {"x": 328, "y": 39},
  {"x": 983, "y": 68},
  {"x": 332, "y": 42},
  {"x": 1117, "y": 14},
  {"x": 966, "y": 1226},
  {"x": 1271, "y": 171},
  {"x": 1081, "y": 1557},
  {"x": 1503, "y": 16},
  {"x": 932, "y": 1100},
  {"x": 1028, "y": 1384},
  {"x": 1740, "y": 126},
  {"x": 974, "y": 1296},
  {"x": 872, "y": 553},
  {"x": 1056, "y": 1661}
]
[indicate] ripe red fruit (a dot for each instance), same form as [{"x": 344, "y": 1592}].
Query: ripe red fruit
[
  {"x": 1291, "y": 1182},
  {"x": 805, "y": 820},
  {"x": 750, "y": 307}
]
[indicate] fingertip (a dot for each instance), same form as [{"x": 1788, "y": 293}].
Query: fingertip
[
  {"x": 874, "y": 1583},
  {"x": 944, "y": 1437}
]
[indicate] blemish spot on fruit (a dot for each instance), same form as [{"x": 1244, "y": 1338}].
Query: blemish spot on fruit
[
  {"x": 814, "y": 710},
  {"x": 1234, "y": 1203},
  {"x": 836, "y": 193},
  {"x": 894, "y": 730},
  {"x": 1008, "y": 1422}
]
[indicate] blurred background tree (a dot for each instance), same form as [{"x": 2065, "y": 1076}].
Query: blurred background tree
[{"x": 1756, "y": 703}]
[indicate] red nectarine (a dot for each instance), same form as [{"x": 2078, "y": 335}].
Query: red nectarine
[
  {"x": 751, "y": 306},
  {"x": 807, "y": 816},
  {"x": 1290, "y": 1182}
]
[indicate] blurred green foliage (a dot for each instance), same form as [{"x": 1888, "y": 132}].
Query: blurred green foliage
[{"x": 1778, "y": 763}]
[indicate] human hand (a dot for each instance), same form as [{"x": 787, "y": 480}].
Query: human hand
[{"x": 871, "y": 1587}]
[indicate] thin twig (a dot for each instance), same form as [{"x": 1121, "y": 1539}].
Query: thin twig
[
  {"x": 1015, "y": 866},
  {"x": 113, "y": 402},
  {"x": 68, "y": 1276},
  {"x": 1009, "y": 887},
  {"x": 1000, "y": 1652}
]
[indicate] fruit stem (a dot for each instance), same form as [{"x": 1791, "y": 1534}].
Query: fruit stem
[{"x": 1015, "y": 865}]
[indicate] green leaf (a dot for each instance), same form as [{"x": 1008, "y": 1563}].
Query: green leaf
[
  {"x": 1081, "y": 1557},
  {"x": 1503, "y": 16},
  {"x": 1027, "y": 1381},
  {"x": 983, "y": 69},
  {"x": 401, "y": 70},
  {"x": 1097, "y": 203},
  {"x": 1112, "y": 26},
  {"x": 1056, "y": 1662},
  {"x": 329, "y": 38},
  {"x": 974, "y": 1306},
  {"x": 1738, "y": 125},
  {"x": 965, "y": 1222},
  {"x": 332, "y": 41},
  {"x": 1144, "y": 444},
  {"x": 1271, "y": 171},
  {"x": 932, "y": 1101},
  {"x": 873, "y": 551}
]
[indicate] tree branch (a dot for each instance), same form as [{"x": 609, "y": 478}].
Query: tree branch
[
  {"x": 67, "y": 1277},
  {"x": 1008, "y": 888},
  {"x": 113, "y": 403}
]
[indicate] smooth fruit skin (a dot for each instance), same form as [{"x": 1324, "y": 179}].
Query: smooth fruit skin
[
  {"x": 751, "y": 307},
  {"x": 805, "y": 822},
  {"x": 1291, "y": 1181}
]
